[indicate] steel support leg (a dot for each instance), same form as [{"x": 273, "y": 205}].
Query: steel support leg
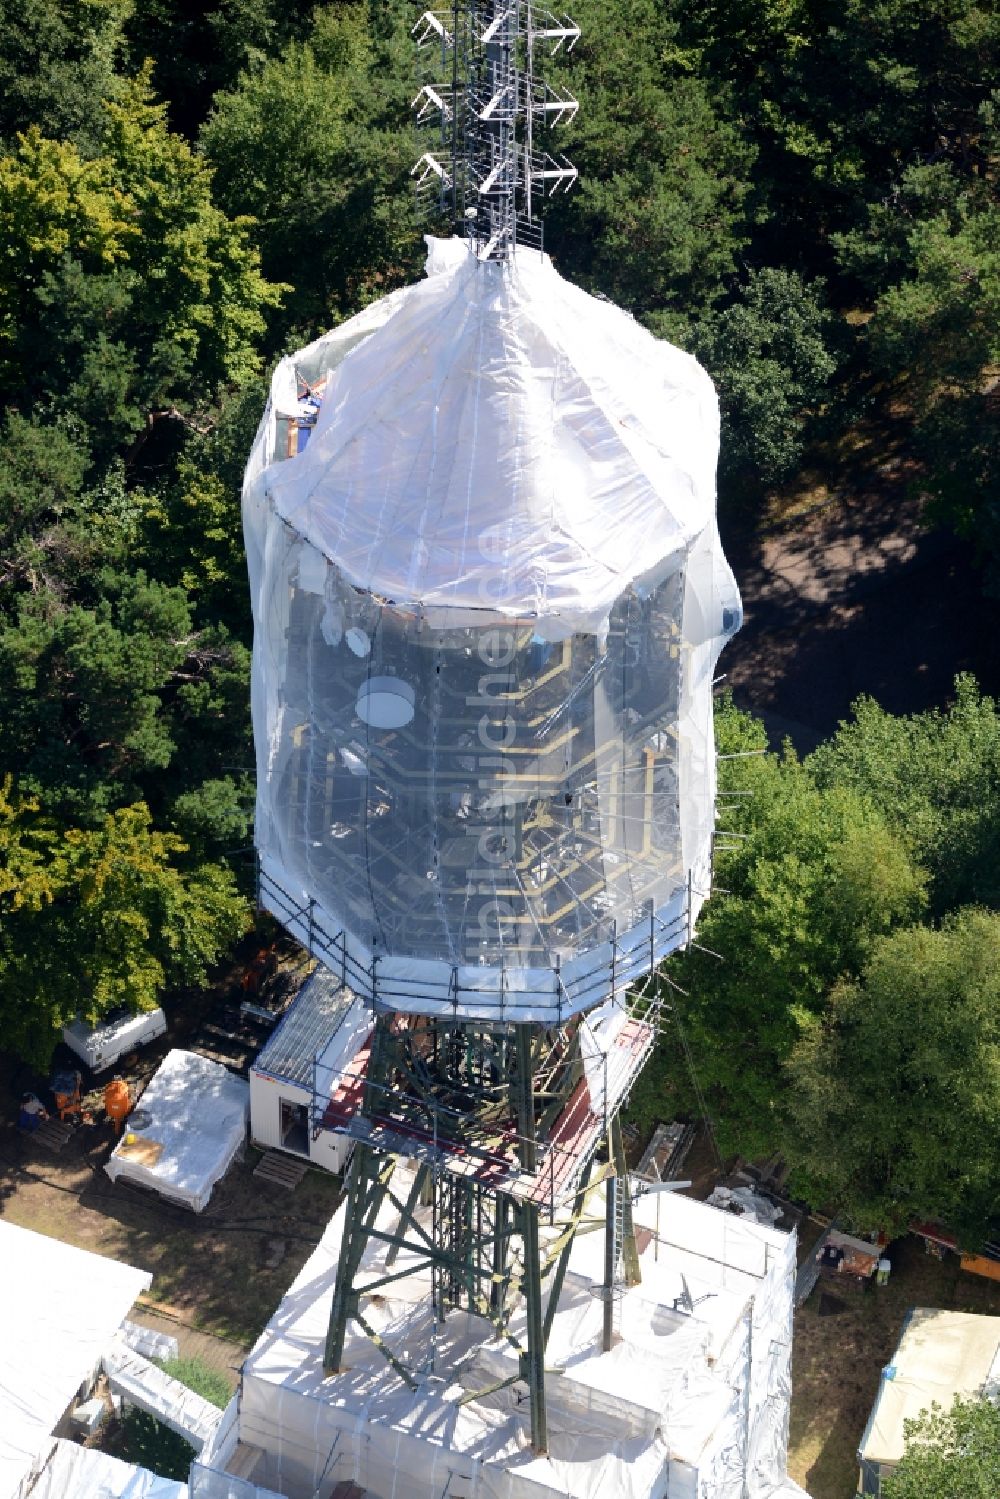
[
  {"x": 407, "y": 1213},
  {"x": 524, "y": 1100},
  {"x": 560, "y": 1271},
  {"x": 351, "y": 1249},
  {"x": 610, "y": 1258},
  {"x": 535, "y": 1356},
  {"x": 500, "y": 1251}
]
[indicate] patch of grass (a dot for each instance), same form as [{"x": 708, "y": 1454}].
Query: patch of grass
[{"x": 198, "y": 1376}]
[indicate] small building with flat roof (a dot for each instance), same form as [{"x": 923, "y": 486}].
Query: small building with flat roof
[{"x": 302, "y": 1062}]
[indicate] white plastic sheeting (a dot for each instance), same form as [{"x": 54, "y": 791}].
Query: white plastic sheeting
[
  {"x": 505, "y": 512},
  {"x": 156, "y": 1345},
  {"x": 686, "y": 1406},
  {"x": 213, "y": 1483},
  {"x": 141, "y": 1383},
  {"x": 197, "y": 1114},
  {"x": 73, "y": 1472},
  {"x": 59, "y": 1308},
  {"x": 941, "y": 1354}
]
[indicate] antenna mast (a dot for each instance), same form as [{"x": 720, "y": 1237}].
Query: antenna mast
[{"x": 489, "y": 108}]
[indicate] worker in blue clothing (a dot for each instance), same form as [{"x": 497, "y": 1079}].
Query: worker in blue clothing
[{"x": 32, "y": 1113}]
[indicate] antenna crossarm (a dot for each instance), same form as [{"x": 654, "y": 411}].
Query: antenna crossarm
[{"x": 492, "y": 113}]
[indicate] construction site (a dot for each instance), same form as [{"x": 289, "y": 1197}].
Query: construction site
[{"x": 489, "y": 599}]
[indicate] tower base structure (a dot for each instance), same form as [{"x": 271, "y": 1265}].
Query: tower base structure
[{"x": 690, "y": 1402}]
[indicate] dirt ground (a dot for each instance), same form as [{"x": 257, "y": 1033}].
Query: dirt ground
[
  {"x": 855, "y": 596},
  {"x": 844, "y": 1335},
  {"x": 222, "y": 1271}
]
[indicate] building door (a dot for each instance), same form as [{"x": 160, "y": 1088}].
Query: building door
[{"x": 294, "y": 1126}]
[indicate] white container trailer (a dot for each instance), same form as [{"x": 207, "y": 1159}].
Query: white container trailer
[
  {"x": 306, "y": 1059},
  {"x": 101, "y": 1045}
]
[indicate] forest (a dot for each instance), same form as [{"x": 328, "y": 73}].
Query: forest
[{"x": 803, "y": 194}]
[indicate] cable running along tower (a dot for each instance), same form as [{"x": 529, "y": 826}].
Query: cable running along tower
[{"x": 488, "y": 597}]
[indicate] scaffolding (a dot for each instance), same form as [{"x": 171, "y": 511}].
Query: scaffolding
[{"x": 489, "y": 596}]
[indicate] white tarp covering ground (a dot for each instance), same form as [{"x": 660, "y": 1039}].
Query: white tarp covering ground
[
  {"x": 195, "y": 1123},
  {"x": 688, "y": 1405},
  {"x": 74, "y": 1472},
  {"x": 489, "y": 596},
  {"x": 59, "y": 1308}
]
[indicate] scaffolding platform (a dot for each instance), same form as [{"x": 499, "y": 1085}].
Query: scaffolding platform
[{"x": 575, "y": 1134}]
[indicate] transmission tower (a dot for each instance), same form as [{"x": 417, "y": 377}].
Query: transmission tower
[
  {"x": 491, "y": 816},
  {"x": 500, "y": 1120}
]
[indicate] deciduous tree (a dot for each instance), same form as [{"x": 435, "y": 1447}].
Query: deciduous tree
[
  {"x": 949, "y": 1454},
  {"x": 93, "y": 918},
  {"x": 895, "y": 1091}
]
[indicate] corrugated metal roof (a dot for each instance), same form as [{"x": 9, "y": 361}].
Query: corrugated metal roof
[{"x": 315, "y": 1015}]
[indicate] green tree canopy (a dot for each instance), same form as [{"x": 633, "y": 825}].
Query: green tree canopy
[
  {"x": 58, "y": 63},
  {"x": 895, "y": 1090},
  {"x": 316, "y": 145},
  {"x": 770, "y": 356},
  {"x": 100, "y": 917},
  {"x": 657, "y": 219},
  {"x": 935, "y": 779},
  {"x": 949, "y": 1454},
  {"x": 124, "y": 290},
  {"x": 812, "y": 877}
]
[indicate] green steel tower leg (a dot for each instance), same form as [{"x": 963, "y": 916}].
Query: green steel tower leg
[
  {"x": 367, "y": 1189},
  {"x": 612, "y": 1188},
  {"x": 534, "y": 1359},
  {"x": 524, "y": 1097},
  {"x": 351, "y": 1250}
]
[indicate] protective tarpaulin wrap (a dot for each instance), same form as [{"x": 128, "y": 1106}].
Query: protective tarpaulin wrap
[
  {"x": 59, "y": 1308},
  {"x": 210, "y": 1483},
  {"x": 687, "y": 1405},
  {"x": 197, "y": 1121},
  {"x": 74, "y": 1472},
  {"x": 489, "y": 596}
]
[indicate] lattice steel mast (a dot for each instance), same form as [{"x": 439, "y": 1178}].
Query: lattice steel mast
[
  {"x": 498, "y": 1119},
  {"x": 492, "y": 112}
]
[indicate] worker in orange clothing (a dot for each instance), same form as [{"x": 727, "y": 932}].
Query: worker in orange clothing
[{"x": 117, "y": 1101}]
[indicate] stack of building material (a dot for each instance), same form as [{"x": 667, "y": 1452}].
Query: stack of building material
[{"x": 194, "y": 1121}]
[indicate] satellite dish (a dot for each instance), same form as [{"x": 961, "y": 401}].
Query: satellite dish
[
  {"x": 358, "y": 641},
  {"x": 385, "y": 702}
]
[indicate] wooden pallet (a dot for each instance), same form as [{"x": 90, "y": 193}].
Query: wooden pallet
[
  {"x": 52, "y": 1133},
  {"x": 244, "y": 1460},
  {"x": 282, "y": 1170}
]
